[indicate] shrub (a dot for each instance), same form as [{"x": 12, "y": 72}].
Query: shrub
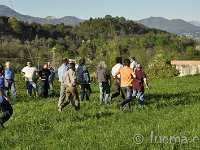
[{"x": 160, "y": 66}]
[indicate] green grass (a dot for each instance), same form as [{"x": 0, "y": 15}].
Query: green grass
[{"x": 172, "y": 109}]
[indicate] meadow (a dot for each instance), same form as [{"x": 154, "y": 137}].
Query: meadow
[{"x": 170, "y": 120}]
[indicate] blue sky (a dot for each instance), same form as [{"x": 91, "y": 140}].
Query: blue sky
[{"x": 130, "y": 9}]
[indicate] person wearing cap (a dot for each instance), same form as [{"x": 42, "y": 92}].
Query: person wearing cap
[
  {"x": 30, "y": 74},
  {"x": 133, "y": 62},
  {"x": 72, "y": 61},
  {"x": 9, "y": 80}
]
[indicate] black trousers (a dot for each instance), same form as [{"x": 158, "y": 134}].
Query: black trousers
[
  {"x": 44, "y": 88},
  {"x": 117, "y": 91},
  {"x": 127, "y": 91},
  {"x": 85, "y": 91}
]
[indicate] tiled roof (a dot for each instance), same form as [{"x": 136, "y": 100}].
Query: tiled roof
[{"x": 185, "y": 62}]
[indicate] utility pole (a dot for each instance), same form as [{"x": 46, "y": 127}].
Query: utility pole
[{"x": 53, "y": 57}]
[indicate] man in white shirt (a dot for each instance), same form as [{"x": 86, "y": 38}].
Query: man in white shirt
[
  {"x": 116, "y": 81},
  {"x": 30, "y": 74},
  {"x": 133, "y": 62}
]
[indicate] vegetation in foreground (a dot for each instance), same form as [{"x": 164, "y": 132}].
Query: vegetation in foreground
[{"x": 172, "y": 109}]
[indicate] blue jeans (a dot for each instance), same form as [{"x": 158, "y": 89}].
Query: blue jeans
[
  {"x": 104, "y": 88},
  {"x": 31, "y": 85},
  {"x": 10, "y": 86},
  {"x": 140, "y": 94}
]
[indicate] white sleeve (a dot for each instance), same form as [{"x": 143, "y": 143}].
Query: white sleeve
[{"x": 23, "y": 69}]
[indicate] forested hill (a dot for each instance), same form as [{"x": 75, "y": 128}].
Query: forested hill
[
  {"x": 105, "y": 28},
  {"x": 26, "y": 31},
  {"x": 109, "y": 27},
  {"x": 96, "y": 39}
]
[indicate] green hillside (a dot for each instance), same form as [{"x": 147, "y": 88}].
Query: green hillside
[
  {"x": 172, "y": 108},
  {"x": 94, "y": 39}
]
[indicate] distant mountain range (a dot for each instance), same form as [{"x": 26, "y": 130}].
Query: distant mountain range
[
  {"x": 177, "y": 26},
  {"x": 67, "y": 20}
]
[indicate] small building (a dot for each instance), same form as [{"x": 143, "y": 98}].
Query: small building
[{"x": 187, "y": 67}]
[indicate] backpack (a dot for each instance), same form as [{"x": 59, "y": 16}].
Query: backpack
[{"x": 83, "y": 74}]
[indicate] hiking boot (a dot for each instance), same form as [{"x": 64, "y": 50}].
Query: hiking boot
[
  {"x": 36, "y": 94},
  {"x": 119, "y": 107},
  {"x": 59, "y": 109},
  {"x": 77, "y": 107},
  {"x": 110, "y": 99}
]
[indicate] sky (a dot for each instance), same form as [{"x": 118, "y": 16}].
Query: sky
[{"x": 187, "y": 10}]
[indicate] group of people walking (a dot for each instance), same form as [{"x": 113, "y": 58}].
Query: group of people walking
[{"x": 129, "y": 80}]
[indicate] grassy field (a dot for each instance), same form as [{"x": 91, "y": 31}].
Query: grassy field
[{"x": 170, "y": 120}]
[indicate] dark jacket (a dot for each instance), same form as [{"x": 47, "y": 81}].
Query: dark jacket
[
  {"x": 82, "y": 74},
  {"x": 44, "y": 74},
  {"x": 5, "y": 105}
]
